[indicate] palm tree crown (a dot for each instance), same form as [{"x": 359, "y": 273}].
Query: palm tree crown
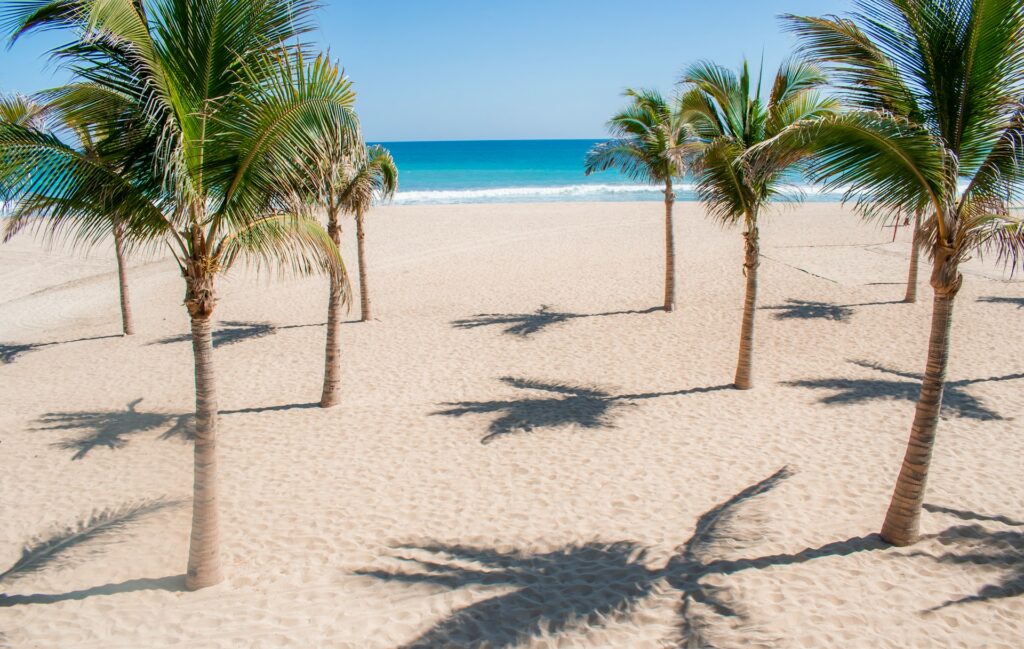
[
  {"x": 730, "y": 117},
  {"x": 936, "y": 88},
  {"x": 648, "y": 143}
]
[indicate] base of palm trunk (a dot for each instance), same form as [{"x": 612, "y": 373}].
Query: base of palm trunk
[
  {"x": 203, "y": 581},
  {"x": 329, "y": 401},
  {"x": 743, "y": 385}
]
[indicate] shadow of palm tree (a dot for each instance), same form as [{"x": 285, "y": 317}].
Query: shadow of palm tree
[
  {"x": 807, "y": 310},
  {"x": 67, "y": 545},
  {"x": 525, "y": 325},
  {"x": 280, "y": 408},
  {"x": 1000, "y": 551},
  {"x": 229, "y": 332},
  {"x": 811, "y": 310},
  {"x": 110, "y": 428},
  {"x": 172, "y": 583},
  {"x": 955, "y": 401},
  {"x": 10, "y": 353},
  {"x": 966, "y": 515},
  {"x": 1019, "y": 301},
  {"x": 587, "y": 586},
  {"x": 571, "y": 404}
]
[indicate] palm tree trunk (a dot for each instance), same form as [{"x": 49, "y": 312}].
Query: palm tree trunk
[
  {"x": 902, "y": 521},
  {"x": 744, "y": 366},
  {"x": 127, "y": 325},
  {"x": 364, "y": 291},
  {"x": 911, "y": 296},
  {"x": 204, "y": 567},
  {"x": 670, "y": 249},
  {"x": 332, "y": 357}
]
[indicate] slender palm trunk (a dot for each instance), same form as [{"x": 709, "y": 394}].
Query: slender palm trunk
[
  {"x": 332, "y": 357},
  {"x": 911, "y": 296},
  {"x": 670, "y": 249},
  {"x": 364, "y": 290},
  {"x": 744, "y": 366},
  {"x": 902, "y": 521},
  {"x": 204, "y": 567},
  {"x": 127, "y": 324}
]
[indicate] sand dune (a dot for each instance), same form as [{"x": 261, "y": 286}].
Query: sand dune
[{"x": 527, "y": 455}]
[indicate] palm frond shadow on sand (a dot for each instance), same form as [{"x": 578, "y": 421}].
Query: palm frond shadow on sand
[
  {"x": 814, "y": 310},
  {"x": 586, "y": 587},
  {"x": 525, "y": 325},
  {"x": 562, "y": 404},
  {"x": 77, "y": 542},
  {"x": 9, "y": 352},
  {"x": 1019, "y": 301},
  {"x": 111, "y": 429},
  {"x": 982, "y": 550},
  {"x": 956, "y": 400},
  {"x": 231, "y": 332}
]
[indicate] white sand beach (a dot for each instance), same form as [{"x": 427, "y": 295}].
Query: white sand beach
[{"x": 527, "y": 454}]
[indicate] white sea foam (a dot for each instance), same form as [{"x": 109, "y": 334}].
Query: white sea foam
[
  {"x": 498, "y": 194},
  {"x": 598, "y": 192}
]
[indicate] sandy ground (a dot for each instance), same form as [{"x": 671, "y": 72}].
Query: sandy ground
[{"x": 526, "y": 455}]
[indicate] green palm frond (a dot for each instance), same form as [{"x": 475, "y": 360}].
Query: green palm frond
[
  {"x": 293, "y": 109},
  {"x": 20, "y": 17},
  {"x": 292, "y": 241},
  {"x": 993, "y": 234},
  {"x": 937, "y": 87},
  {"x": 883, "y": 162},
  {"x": 744, "y": 163},
  {"x": 650, "y": 140},
  {"x": 22, "y": 111},
  {"x": 373, "y": 176},
  {"x": 863, "y": 74},
  {"x": 722, "y": 184},
  {"x": 61, "y": 188}
]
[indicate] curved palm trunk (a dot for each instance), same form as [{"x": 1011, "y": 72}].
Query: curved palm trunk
[
  {"x": 204, "y": 567},
  {"x": 332, "y": 357},
  {"x": 670, "y": 249},
  {"x": 364, "y": 291},
  {"x": 902, "y": 520},
  {"x": 911, "y": 295},
  {"x": 127, "y": 324},
  {"x": 744, "y": 366}
]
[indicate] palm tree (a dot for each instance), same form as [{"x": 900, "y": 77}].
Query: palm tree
[
  {"x": 232, "y": 109},
  {"x": 958, "y": 67},
  {"x": 347, "y": 179},
  {"x": 727, "y": 112},
  {"x": 59, "y": 111},
  {"x": 650, "y": 144}
]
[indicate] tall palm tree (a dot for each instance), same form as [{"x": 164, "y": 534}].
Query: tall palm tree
[
  {"x": 958, "y": 66},
  {"x": 58, "y": 112},
  {"x": 348, "y": 177},
  {"x": 649, "y": 144},
  {"x": 727, "y": 112},
  {"x": 232, "y": 109}
]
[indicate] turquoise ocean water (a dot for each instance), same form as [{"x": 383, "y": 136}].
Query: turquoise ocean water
[{"x": 516, "y": 171}]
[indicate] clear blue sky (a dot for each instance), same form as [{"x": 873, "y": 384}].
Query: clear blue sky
[{"x": 509, "y": 69}]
